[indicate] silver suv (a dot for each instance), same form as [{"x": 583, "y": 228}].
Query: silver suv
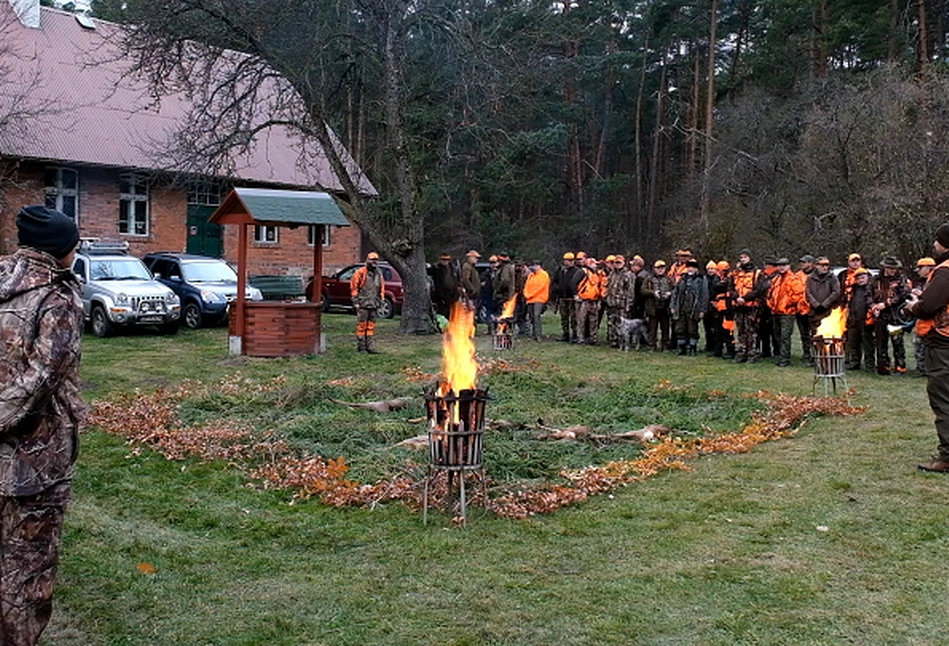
[{"x": 117, "y": 290}]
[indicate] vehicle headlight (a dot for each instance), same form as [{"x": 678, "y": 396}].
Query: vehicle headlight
[
  {"x": 254, "y": 294},
  {"x": 121, "y": 298},
  {"x": 171, "y": 298},
  {"x": 211, "y": 297}
]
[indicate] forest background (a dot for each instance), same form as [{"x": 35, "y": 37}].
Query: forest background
[{"x": 786, "y": 126}]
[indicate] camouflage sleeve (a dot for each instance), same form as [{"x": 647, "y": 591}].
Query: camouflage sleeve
[{"x": 53, "y": 356}]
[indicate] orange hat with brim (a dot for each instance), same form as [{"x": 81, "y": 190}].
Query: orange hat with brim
[
  {"x": 926, "y": 262},
  {"x": 854, "y": 256},
  {"x": 610, "y": 258},
  {"x": 723, "y": 265},
  {"x": 372, "y": 256},
  {"x": 568, "y": 256},
  {"x": 659, "y": 263},
  {"x": 860, "y": 271}
]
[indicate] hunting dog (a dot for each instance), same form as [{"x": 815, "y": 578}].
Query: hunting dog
[{"x": 632, "y": 333}]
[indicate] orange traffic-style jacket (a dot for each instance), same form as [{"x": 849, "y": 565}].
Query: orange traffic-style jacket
[
  {"x": 786, "y": 294},
  {"x": 940, "y": 323},
  {"x": 804, "y": 307},
  {"x": 676, "y": 271},
  {"x": 589, "y": 288},
  {"x": 537, "y": 287},
  {"x": 848, "y": 278}
]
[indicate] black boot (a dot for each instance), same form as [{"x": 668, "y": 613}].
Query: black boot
[
  {"x": 693, "y": 347},
  {"x": 370, "y": 345},
  {"x": 360, "y": 344},
  {"x": 682, "y": 347}
]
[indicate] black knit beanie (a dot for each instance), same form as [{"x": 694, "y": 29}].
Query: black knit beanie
[
  {"x": 942, "y": 234},
  {"x": 45, "y": 229}
]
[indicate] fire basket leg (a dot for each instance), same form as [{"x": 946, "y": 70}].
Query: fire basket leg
[{"x": 464, "y": 512}]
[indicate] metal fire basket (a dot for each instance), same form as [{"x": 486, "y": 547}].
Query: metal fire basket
[
  {"x": 455, "y": 439},
  {"x": 829, "y": 364},
  {"x": 503, "y": 336}
]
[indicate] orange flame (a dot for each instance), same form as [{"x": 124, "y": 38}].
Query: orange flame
[
  {"x": 834, "y": 324},
  {"x": 508, "y": 310},
  {"x": 458, "y": 363}
]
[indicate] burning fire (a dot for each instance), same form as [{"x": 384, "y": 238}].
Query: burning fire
[
  {"x": 834, "y": 324},
  {"x": 458, "y": 350},
  {"x": 508, "y": 310}
]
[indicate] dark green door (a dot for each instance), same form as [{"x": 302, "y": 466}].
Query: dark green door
[{"x": 204, "y": 238}]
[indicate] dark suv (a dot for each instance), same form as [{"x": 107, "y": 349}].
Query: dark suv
[{"x": 205, "y": 285}]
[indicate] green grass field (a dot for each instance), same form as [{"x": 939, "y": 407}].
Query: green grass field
[{"x": 829, "y": 537}]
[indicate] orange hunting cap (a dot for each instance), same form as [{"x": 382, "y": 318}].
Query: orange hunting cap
[
  {"x": 659, "y": 263},
  {"x": 581, "y": 255},
  {"x": 926, "y": 262},
  {"x": 493, "y": 259},
  {"x": 610, "y": 258},
  {"x": 711, "y": 264},
  {"x": 723, "y": 265},
  {"x": 372, "y": 256},
  {"x": 568, "y": 255},
  {"x": 473, "y": 253},
  {"x": 854, "y": 256},
  {"x": 620, "y": 258},
  {"x": 639, "y": 258},
  {"x": 860, "y": 271}
]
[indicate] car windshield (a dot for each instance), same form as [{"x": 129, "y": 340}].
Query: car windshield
[
  {"x": 119, "y": 269},
  {"x": 208, "y": 272}
]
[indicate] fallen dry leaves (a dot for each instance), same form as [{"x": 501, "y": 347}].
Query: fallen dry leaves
[{"x": 151, "y": 420}]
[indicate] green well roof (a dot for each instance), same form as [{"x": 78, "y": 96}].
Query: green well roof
[{"x": 291, "y": 207}]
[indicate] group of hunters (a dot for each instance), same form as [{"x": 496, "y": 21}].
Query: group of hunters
[{"x": 747, "y": 311}]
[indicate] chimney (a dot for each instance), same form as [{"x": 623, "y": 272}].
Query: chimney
[{"x": 28, "y": 11}]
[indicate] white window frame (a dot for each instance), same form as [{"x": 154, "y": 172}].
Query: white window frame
[
  {"x": 311, "y": 235},
  {"x": 57, "y": 192},
  {"x": 204, "y": 193},
  {"x": 139, "y": 194},
  {"x": 260, "y": 234}
]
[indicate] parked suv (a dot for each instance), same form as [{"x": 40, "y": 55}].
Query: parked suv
[
  {"x": 336, "y": 290},
  {"x": 117, "y": 290},
  {"x": 205, "y": 285}
]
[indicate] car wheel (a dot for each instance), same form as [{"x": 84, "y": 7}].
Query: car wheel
[
  {"x": 101, "y": 325},
  {"x": 325, "y": 303},
  {"x": 170, "y": 329},
  {"x": 192, "y": 315},
  {"x": 386, "y": 310}
]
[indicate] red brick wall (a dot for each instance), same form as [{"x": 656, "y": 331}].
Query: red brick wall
[
  {"x": 98, "y": 208},
  {"x": 99, "y": 217},
  {"x": 291, "y": 255}
]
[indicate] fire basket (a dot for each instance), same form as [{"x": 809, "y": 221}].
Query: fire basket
[
  {"x": 455, "y": 433},
  {"x": 829, "y": 363},
  {"x": 503, "y": 336}
]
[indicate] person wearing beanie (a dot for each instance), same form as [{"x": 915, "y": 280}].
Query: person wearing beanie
[
  {"x": 747, "y": 286},
  {"x": 40, "y": 411},
  {"x": 931, "y": 309},
  {"x": 563, "y": 291}
]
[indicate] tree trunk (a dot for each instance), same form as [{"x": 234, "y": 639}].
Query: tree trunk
[
  {"x": 638, "y": 145},
  {"x": 409, "y": 257},
  {"x": 651, "y": 216},
  {"x": 922, "y": 38},
  {"x": 709, "y": 107},
  {"x": 893, "y": 44}
]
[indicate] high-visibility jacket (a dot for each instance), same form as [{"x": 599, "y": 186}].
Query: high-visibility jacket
[
  {"x": 940, "y": 323},
  {"x": 847, "y": 278},
  {"x": 676, "y": 271},
  {"x": 804, "y": 307},
  {"x": 537, "y": 287},
  {"x": 744, "y": 282},
  {"x": 786, "y": 294},
  {"x": 589, "y": 288}
]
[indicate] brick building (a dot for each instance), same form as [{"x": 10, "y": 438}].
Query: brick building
[{"x": 86, "y": 152}]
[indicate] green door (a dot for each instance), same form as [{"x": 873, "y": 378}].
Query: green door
[{"x": 204, "y": 238}]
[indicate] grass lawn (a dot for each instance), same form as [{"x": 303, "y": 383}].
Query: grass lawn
[{"x": 829, "y": 537}]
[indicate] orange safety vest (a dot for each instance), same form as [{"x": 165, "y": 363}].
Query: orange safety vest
[
  {"x": 589, "y": 288},
  {"x": 804, "y": 307},
  {"x": 939, "y": 324},
  {"x": 537, "y": 287},
  {"x": 745, "y": 281}
]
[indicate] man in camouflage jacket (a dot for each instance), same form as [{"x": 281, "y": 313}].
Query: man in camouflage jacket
[{"x": 40, "y": 414}]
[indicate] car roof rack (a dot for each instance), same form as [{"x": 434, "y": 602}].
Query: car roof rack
[{"x": 94, "y": 246}]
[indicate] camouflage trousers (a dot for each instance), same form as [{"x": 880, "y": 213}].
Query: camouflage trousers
[
  {"x": 613, "y": 314},
  {"x": 746, "y": 327},
  {"x": 588, "y": 318},
  {"x": 30, "y": 530},
  {"x": 568, "y": 318}
]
